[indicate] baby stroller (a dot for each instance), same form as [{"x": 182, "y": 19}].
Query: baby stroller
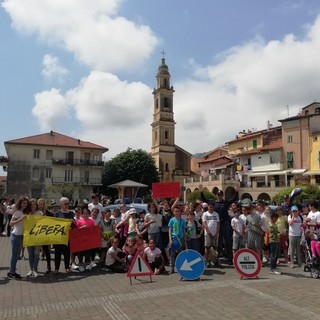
[{"x": 311, "y": 265}]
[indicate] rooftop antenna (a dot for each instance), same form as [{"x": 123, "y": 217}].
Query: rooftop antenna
[{"x": 288, "y": 110}]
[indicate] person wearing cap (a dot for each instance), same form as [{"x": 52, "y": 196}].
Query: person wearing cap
[
  {"x": 295, "y": 231},
  {"x": 221, "y": 206}
]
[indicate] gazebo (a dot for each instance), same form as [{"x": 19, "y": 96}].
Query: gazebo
[{"x": 120, "y": 186}]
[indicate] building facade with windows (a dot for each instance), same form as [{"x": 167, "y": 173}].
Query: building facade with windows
[{"x": 37, "y": 162}]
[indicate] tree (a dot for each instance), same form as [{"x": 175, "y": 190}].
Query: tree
[
  {"x": 309, "y": 193},
  {"x": 63, "y": 189},
  {"x": 136, "y": 165},
  {"x": 195, "y": 195}
]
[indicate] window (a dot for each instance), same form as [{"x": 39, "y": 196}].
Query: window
[
  {"x": 35, "y": 173},
  {"x": 290, "y": 160},
  {"x": 317, "y": 111},
  {"x": 254, "y": 144},
  {"x": 69, "y": 157},
  {"x": 68, "y": 175},
  {"x": 49, "y": 154},
  {"x": 289, "y": 139},
  {"x": 48, "y": 172},
  {"x": 86, "y": 176},
  {"x": 36, "y": 154},
  {"x": 166, "y": 134},
  {"x": 155, "y": 136},
  {"x": 167, "y": 167}
]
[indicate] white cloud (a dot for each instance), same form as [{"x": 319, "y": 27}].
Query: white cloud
[
  {"x": 50, "y": 109},
  {"x": 88, "y": 29},
  {"x": 250, "y": 85},
  {"x": 113, "y": 113},
  {"x": 52, "y": 68}
]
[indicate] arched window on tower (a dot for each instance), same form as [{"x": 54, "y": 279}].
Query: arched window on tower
[
  {"x": 167, "y": 167},
  {"x": 166, "y": 134},
  {"x": 166, "y": 103},
  {"x": 165, "y": 83},
  {"x": 157, "y": 103}
]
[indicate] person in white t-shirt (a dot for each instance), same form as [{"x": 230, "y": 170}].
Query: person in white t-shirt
[
  {"x": 313, "y": 217},
  {"x": 211, "y": 225},
  {"x": 295, "y": 231},
  {"x": 16, "y": 223},
  {"x": 238, "y": 228},
  {"x": 95, "y": 204}
]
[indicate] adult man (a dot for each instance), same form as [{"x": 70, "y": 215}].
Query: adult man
[
  {"x": 221, "y": 206},
  {"x": 211, "y": 225}
]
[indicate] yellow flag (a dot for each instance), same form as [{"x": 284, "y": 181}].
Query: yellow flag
[{"x": 43, "y": 230}]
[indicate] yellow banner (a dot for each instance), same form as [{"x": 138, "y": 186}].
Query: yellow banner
[{"x": 42, "y": 230}]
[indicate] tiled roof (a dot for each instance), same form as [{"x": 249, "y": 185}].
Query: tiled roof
[{"x": 56, "y": 139}]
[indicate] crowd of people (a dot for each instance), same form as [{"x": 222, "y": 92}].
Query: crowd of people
[{"x": 165, "y": 229}]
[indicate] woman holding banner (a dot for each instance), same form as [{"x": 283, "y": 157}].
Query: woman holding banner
[
  {"x": 45, "y": 248},
  {"x": 33, "y": 251},
  {"x": 61, "y": 249},
  {"x": 17, "y": 234}
]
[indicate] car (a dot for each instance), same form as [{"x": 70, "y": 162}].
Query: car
[{"x": 138, "y": 206}]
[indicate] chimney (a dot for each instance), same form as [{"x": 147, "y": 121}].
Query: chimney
[{"x": 79, "y": 142}]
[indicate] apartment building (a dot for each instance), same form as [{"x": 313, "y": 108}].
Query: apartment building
[{"x": 37, "y": 162}]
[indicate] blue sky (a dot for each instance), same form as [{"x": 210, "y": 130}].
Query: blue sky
[{"x": 87, "y": 68}]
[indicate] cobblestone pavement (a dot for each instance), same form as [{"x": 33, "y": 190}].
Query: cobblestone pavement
[{"x": 99, "y": 294}]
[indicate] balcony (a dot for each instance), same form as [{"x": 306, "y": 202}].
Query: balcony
[
  {"x": 77, "y": 162},
  {"x": 79, "y": 181}
]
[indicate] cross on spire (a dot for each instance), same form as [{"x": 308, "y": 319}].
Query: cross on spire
[{"x": 163, "y": 54}]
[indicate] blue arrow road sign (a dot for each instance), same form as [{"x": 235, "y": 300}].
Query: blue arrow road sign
[{"x": 190, "y": 264}]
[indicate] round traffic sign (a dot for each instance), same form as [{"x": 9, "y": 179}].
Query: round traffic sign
[
  {"x": 190, "y": 264},
  {"x": 247, "y": 263}
]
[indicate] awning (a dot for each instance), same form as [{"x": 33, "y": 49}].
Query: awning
[
  {"x": 298, "y": 171},
  {"x": 266, "y": 173},
  {"x": 312, "y": 173}
]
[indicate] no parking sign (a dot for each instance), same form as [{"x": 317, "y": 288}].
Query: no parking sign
[{"x": 247, "y": 263}]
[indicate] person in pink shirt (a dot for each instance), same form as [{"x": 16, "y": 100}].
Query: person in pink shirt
[{"x": 85, "y": 222}]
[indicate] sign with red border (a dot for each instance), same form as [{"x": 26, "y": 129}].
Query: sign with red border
[
  {"x": 139, "y": 267},
  {"x": 165, "y": 189},
  {"x": 247, "y": 263}
]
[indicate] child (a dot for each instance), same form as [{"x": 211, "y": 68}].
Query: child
[
  {"x": 194, "y": 231},
  {"x": 130, "y": 250},
  {"x": 154, "y": 257},
  {"x": 274, "y": 241},
  {"x": 238, "y": 228}
]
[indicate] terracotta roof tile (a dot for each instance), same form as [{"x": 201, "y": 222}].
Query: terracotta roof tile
[{"x": 56, "y": 139}]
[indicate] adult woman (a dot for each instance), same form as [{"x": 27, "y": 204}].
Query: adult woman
[
  {"x": 45, "y": 248},
  {"x": 33, "y": 251},
  {"x": 61, "y": 249},
  {"x": 17, "y": 235}
]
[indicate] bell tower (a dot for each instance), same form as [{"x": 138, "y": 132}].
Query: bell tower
[{"x": 163, "y": 148}]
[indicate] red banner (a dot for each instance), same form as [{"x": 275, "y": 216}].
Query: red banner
[
  {"x": 166, "y": 189},
  {"x": 85, "y": 239}
]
